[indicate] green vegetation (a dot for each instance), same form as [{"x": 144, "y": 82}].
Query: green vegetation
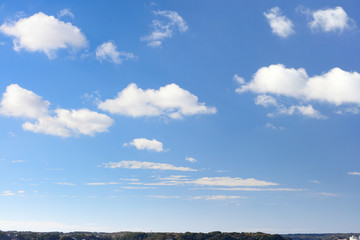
[
  {"x": 137, "y": 236},
  {"x": 324, "y": 236}
]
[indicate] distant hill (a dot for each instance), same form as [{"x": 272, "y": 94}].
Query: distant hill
[
  {"x": 14, "y": 235},
  {"x": 322, "y": 236}
]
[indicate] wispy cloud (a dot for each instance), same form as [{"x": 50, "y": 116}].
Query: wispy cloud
[
  {"x": 163, "y": 196},
  {"x": 326, "y": 194},
  {"x": 354, "y": 173},
  {"x": 146, "y": 165},
  {"x": 190, "y": 159},
  {"x": 9, "y": 193},
  {"x": 108, "y": 52},
  {"x": 255, "y": 189},
  {"x": 66, "y": 12},
  {"x": 97, "y": 184},
  {"x": 165, "y": 28},
  {"x": 231, "y": 182},
  {"x": 65, "y": 184},
  {"x": 18, "y": 161},
  {"x": 273, "y": 127},
  {"x": 218, "y": 197}
]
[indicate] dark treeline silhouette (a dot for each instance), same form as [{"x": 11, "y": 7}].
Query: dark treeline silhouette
[
  {"x": 321, "y": 236},
  {"x": 14, "y": 235}
]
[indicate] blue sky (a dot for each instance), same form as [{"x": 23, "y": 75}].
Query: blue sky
[{"x": 180, "y": 116}]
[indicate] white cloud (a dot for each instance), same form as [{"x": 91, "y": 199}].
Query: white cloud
[
  {"x": 277, "y": 79},
  {"x": 231, "y": 182},
  {"x": 326, "y": 194},
  {"x": 135, "y": 188},
  {"x": 281, "y": 109},
  {"x": 238, "y": 79},
  {"x": 273, "y": 127},
  {"x": 280, "y": 25},
  {"x": 331, "y": 20},
  {"x": 43, "y": 33},
  {"x": 69, "y": 123},
  {"x": 306, "y": 111},
  {"x": 107, "y": 51},
  {"x": 213, "y": 181},
  {"x": 146, "y": 144},
  {"x": 354, "y": 173},
  {"x": 170, "y": 100},
  {"x": 163, "y": 196},
  {"x": 66, "y": 184},
  {"x": 18, "y": 161},
  {"x": 265, "y": 100},
  {"x": 315, "y": 181},
  {"x": 7, "y": 193},
  {"x": 146, "y": 165},
  {"x": 190, "y": 159},
  {"x": 66, "y": 12},
  {"x": 336, "y": 87},
  {"x": 175, "y": 177},
  {"x": 165, "y": 29},
  {"x": 351, "y": 110},
  {"x": 19, "y": 102},
  {"x": 218, "y": 197}
]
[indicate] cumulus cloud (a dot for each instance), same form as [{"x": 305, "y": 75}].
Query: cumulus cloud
[
  {"x": 218, "y": 197},
  {"x": 165, "y": 28},
  {"x": 280, "y": 25},
  {"x": 43, "y": 33},
  {"x": 190, "y": 159},
  {"x": 20, "y": 102},
  {"x": 354, "y": 173},
  {"x": 108, "y": 52},
  {"x": 331, "y": 20},
  {"x": 146, "y": 144},
  {"x": 170, "y": 100},
  {"x": 146, "y": 165},
  {"x": 336, "y": 87}
]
